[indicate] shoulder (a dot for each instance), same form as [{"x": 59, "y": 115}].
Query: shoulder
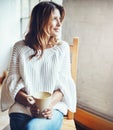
[
  {"x": 19, "y": 45},
  {"x": 64, "y": 45},
  {"x": 62, "y": 42}
]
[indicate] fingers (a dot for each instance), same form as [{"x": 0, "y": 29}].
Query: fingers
[
  {"x": 47, "y": 113},
  {"x": 34, "y": 110},
  {"x": 31, "y": 100}
]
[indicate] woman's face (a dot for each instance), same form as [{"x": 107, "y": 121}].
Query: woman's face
[{"x": 54, "y": 24}]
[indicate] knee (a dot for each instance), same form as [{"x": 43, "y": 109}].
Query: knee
[
  {"x": 36, "y": 124},
  {"x": 30, "y": 126}
]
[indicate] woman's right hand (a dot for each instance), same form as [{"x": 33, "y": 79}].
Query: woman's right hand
[
  {"x": 33, "y": 108},
  {"x": 28, "y": 101}
]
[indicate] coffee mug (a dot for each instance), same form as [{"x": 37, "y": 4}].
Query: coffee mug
[{"x": 42, "y": 101}]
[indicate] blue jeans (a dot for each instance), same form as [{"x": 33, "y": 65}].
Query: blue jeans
[{"x": 19, "y": 121}]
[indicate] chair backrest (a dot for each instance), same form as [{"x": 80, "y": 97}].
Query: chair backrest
[{"x": 74, "y": 59}]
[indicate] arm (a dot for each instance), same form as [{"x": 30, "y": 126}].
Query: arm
[
  {"x": 23, "y": 98},
  {"x": 56, "y": 97},
  {"x": 13, "y": 83},
  {"x": 65, "y": 81}
]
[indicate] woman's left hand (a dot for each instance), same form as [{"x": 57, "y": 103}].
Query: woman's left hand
[
  {"x": 56, "y": 97},
  {"x": 47, "y": 113}
]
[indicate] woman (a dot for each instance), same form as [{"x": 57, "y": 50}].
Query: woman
[{"x": 40, "y": 63}]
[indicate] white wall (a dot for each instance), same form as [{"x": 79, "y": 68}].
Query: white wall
[
  {"x": 9, "y": 29},
  {"x": 92, "y": 22}
]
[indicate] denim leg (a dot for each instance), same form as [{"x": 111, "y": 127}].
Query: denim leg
[
  {"x": 18, "y": 120},
  {"x": 46, "y": 124}
]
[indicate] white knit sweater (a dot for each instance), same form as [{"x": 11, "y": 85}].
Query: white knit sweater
[{"x": 50, "y": 72}]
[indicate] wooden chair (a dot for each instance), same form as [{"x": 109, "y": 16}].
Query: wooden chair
[{"x": 68, "y": 122}]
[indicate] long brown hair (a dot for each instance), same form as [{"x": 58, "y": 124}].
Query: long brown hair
[{"x": 37, "y": 36}]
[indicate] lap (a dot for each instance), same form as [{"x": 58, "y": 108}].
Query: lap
[
  {"x": 18, "y": 120},
  {"x": 29, "y": 123}
]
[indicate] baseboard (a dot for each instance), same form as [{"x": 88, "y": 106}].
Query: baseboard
[{"x": 92, "y": 121}]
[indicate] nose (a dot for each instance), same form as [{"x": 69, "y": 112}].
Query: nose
[{"x": 58, "y": 22}]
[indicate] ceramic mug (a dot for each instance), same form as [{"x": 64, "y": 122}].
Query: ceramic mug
[{"x": 42, "y": 101}]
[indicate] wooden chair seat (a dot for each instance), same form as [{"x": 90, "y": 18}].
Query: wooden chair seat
[{"x": 68, "y": 124}]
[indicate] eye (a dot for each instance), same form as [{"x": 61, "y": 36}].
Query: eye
[
  {"x": 55, "y": 18},
  {"x": 60, "y": 19}
]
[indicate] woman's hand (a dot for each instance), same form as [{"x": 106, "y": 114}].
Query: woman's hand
[
  {"x": 47, "y": 113},
  {"x": 34, "y": 110},
  {"x": 29, "y": 101},
  {"x": 56, "y": 97}
]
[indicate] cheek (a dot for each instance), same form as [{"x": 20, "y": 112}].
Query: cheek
[
  {"x": 51, "y": 28},
  {"x": 52, "y": 24}
]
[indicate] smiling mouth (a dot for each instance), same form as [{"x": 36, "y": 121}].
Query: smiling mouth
[{"x": 57, "y": 30}]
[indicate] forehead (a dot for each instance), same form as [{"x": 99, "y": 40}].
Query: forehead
[{"x": 55, "y": 12}]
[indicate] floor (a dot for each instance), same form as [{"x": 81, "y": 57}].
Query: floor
[
  {"x": 79, "y": 126},
  {"x": 4, "y": 118}
]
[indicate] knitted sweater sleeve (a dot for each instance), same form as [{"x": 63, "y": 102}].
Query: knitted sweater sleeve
[
  {"x": 66, "y": 83},
  {"x": 13, "y": 83}
]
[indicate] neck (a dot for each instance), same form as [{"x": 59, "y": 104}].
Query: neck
[{"x": 51, "y": 42}]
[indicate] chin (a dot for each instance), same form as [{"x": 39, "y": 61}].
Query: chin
[{"x": 56, "y": 35}]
